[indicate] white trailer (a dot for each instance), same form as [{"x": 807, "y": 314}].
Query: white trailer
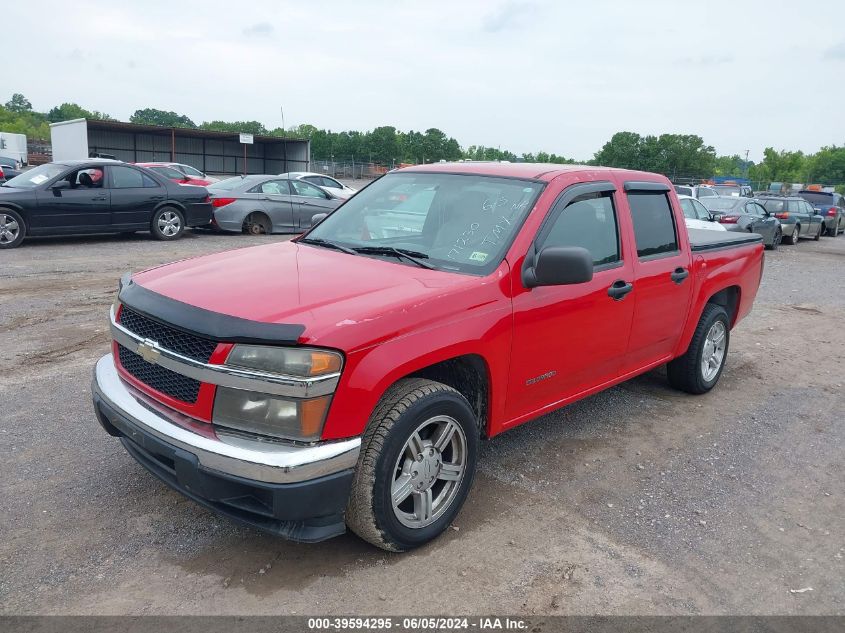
[
  {"x": 69, "y": 140},
  {"x": 13, "y": 146}
]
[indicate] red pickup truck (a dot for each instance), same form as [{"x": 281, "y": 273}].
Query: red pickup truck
[{"x": 345, "y": 378}]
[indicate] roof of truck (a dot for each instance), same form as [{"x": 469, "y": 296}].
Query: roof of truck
[{"x": 534, "y": 171}]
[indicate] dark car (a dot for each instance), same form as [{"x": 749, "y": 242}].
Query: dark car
[
  {"x": 831, "y": 206},
  {"x": 97, "y": 196},
  {"x": 9, "y": 168},
  {"x": 797, "y": 217},
  {"x": 745, "y": 215}
]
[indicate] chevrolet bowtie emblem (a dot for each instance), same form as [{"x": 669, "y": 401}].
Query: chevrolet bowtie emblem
[{"x": 148, "y": 350}]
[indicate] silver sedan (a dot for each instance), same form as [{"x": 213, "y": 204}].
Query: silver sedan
[{"x": 268, "y": 204}]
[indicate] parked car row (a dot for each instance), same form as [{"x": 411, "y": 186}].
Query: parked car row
[
  {"x": 109, "y": 196},
  {"x": 811, "y": 213}
]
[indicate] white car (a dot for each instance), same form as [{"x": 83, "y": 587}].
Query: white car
[
  {"x": 696, "y": 216},
  {"x": 696, "y": 191},
  {"x": 337, "y": 188}
]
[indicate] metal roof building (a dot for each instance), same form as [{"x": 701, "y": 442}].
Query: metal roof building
[{"x": 208, "y": 151}]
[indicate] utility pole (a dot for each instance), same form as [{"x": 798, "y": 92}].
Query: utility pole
[{"x": 745, "y": 165}]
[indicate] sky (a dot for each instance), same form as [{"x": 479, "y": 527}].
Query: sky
[{"x": 523, "y": 75}]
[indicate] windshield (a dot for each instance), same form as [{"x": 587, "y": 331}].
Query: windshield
[
  {"x": 721, "y": 204},
  {"x": 457, "y": 222},
  {"x": 774, "y": 206},
  {"x": 37, "y": 176},
  {"x": 817, "y": 197},
  {"x": 727, "y": 190},
  {"x": 230, "y": 183}
]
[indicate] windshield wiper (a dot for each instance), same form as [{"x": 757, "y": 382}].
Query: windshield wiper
[
  {"x": 411, "y": 256},
  {"x": 318, "y": 241}
]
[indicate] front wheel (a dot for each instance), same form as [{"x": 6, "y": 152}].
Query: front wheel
[
  {"x": 698, "y": 370},
  {"x": 12, "y": 228},
  {"x": 819, "y": 233},
  {"x": 167, "y": 224},
  {"x": 416, "y": 465}
]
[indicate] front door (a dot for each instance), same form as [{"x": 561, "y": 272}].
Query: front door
[
  {"x": 309, "y": 200},
  {"x": 82, "y": 203},
  {"x": 134, "y": 196},
  {"x": 663, "y": 286},
  {"x": 568, "y": 339},
  {"x": 276, "y": 201}
]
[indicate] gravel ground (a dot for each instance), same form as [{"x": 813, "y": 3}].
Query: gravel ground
[{"x": 639, "y": 500}]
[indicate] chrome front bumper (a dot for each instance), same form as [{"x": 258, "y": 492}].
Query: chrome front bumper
[{"x": 249, "y": 458}]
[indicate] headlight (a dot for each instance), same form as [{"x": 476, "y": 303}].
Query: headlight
[
  {"x": 270, "y": 415},
  {"x": 288, "y": 361}
]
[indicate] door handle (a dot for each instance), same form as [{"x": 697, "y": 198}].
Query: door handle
[
  {"x": 98, "y": 198},
  {"x": 619, "y": 289},
  {"x": 679, "y": 274}
]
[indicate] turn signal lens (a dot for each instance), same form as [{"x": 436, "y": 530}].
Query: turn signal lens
[{"x": 271, "y": 416}]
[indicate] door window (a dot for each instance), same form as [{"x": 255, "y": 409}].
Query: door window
[
  {"x": 301, "y": 188},
  {"x": 700, "y": 210},
  {"x": 128, "y": 178},
  {"x": 654, "y": 223},
  {"x": 688, "y": 209},
  {"x": 272, "y": 188},
  {"x": 588, "y": 221},
  {"x": 192, "y": 172},
  {"x": 328, "y": 182}
]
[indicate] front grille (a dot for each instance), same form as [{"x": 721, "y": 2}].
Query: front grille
[
  {"x": 167, "y": 337},
  {"x": 159, "y": 378}
]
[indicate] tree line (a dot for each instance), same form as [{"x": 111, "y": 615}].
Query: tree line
[{"x": 675, "y": 155}]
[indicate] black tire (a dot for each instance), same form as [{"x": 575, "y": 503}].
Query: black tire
[
  {"x": 257, "y": 223},
  {"x": 685, "y": 372},
  {"x": 796, "y": 235},
  {"x": 832, "y": 231},
  {"x": 819, "y": 233},
  {"x": 405, "y": 405},
  {"x": 12, "y": 229},
  {"x": 168, "y": 223},
  {"x": 775, "y": 241}
]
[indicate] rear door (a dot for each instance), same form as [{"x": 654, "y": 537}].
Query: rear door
[
  {"x": 84, "y": 205},
  {"x": 814, "y": 218},
  {"x": 134, "y": 196},
  {"x": 275, "y": 198},
  {"x": 662, "y": 285},
  {"x": 309, "y": 200}
]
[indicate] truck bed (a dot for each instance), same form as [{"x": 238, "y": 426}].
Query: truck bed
[{"x": 702, "y": 240}]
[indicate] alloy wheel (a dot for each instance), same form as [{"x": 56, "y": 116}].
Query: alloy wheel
[
  {"x": 169, "y": 223},
  {"x": 9, "y": 229},
  {"x": 428, "y": 471},
  {"x": 713, "y": 354}
]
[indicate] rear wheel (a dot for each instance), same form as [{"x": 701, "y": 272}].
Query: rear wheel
[
  {"x": 698, "y": 370},
  {"x": 416, "y": 465},
  {"x": 796, "y": 234},
  {"x": 257, "y": 224},
  {"x": 819, "y": 233},
  {"x": 168, "y": 223},
  {"x": 12, "y": 228},
  {"x": 775, "y": 241}
]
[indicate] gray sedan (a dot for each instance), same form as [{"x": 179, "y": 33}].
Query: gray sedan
[
  {"x": 745, "y": 215},
  {"x": 268, "y": 204}
]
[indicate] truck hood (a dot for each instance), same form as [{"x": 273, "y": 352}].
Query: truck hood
[{"x": 343, "y": 301}]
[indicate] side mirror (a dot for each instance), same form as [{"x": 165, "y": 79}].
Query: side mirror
[
  {"x": 317, "y": 218},
  {"x": 57, "y": 187},
  {"x": 559, "y": 266}
]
